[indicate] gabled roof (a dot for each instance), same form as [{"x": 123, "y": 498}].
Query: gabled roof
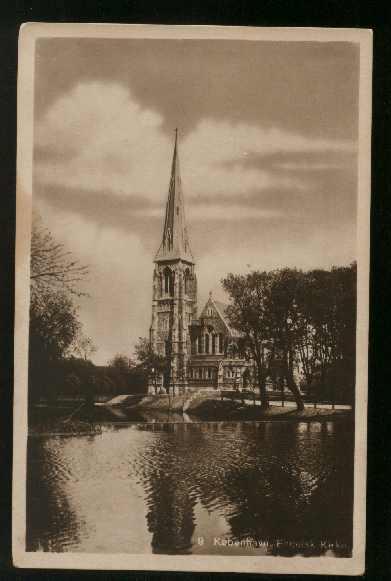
[
  {"x": 175, "y": 241},
  {"x": 221, "y": 309}
]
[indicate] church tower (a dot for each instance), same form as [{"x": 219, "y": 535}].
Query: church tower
[{"x": 174, "y": 296}]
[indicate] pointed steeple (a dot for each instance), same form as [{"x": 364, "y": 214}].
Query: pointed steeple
[{"x": 175, "y": 242}]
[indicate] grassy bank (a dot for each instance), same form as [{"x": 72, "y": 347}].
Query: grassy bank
[
  {"x": 229, "y": 410},
  {"x": 84, "y": 419},
  {"x": 207, "y": 406}
]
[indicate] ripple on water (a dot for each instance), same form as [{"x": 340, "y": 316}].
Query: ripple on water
[{"x": 149, "y": 488}]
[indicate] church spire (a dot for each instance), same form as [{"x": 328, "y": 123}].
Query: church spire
[{"x": 175, "y": 242}]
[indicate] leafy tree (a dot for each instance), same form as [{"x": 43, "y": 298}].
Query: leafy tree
[
  {"x": 293, "y": 321},
  {"x": 125, "y": 376},
  {"x": 54, "y": 323},
  {"x": 330, "y": 307},
  {"x": 286, "y": 324},
  {"x": 121, "y": 363},
  {"x": 305, "y": 330},
  {"x": 249, "y": 313},
  {"x": 73, "y": 384},
  {"x": 152, "y": 364}
]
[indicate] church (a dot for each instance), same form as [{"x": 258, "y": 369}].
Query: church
[{"x": 203, "y": 350}]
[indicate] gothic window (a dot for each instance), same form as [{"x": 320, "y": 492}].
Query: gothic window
[
  {"x": 206, "y": 343},
  {"x": 187, "y": 281},
  {"x": 168, "y": 281},
  {"x": 221, "y": 348},
  {"x": 214, "y": 344}
]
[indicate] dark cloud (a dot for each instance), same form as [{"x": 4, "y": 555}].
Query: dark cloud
[
  {"x": 309, "y": 87},
  {"x": 106, "y": 209},
  {"x": 306, "y": 217}
]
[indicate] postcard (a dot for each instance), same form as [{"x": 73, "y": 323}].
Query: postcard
[{"x": 192, "y": 273}]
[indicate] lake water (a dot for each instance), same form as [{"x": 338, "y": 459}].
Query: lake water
[{"x": 266, "y": 488}]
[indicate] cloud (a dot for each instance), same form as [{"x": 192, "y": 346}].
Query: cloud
[
  {"x": 331, "y": 246},
  {"x": 258, "y": 172},
  {"x": 98, "y": 138},
  {"x": 215, "y": 157},
  {"x": 118, "y": 309},
  {"x": 312, "y": 166},
  {"x": 109, "y": 142},
  {"x": 231, "y": 212}
]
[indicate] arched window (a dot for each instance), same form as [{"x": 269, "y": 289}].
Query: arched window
[
  {"x": 214, "y": 343},
  {"x": 187, "y": 279},
  {"x": 221, "y": 347},
  {"x": 206, "y": 343},
  {"x": 199, "y": 344},
  {"x": 168, "y": 281}
]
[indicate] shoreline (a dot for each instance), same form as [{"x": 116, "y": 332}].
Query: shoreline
[{"x": 206, "y": 414}]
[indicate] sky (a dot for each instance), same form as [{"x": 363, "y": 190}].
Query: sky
[{"x": 268, "y": 138}]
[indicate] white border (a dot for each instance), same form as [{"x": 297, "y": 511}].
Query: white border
[{"x": 343, "y": 566}]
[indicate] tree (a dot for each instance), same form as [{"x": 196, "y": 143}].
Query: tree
[
  {"x": 286, "y": 323},
  {"x": 54, "y": 322},
  {"x": 83, "y": 346},
  {"x": 52, "y": 266},
  {"x": 298, "y": 322},
  {"x": 305, "y": 330},
  {"x": 249, "y": 313},
  {"x": 152, "y": 364},
  {"x": 344, "y": 281},
  {"x": 121, "y": 363},
  {"x": 53, "y": 328}
]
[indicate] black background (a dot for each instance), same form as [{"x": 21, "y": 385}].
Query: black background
[{"x": 332, "y": 13}]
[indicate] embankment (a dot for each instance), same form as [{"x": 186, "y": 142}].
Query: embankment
[{"x": 208, "y": 407}]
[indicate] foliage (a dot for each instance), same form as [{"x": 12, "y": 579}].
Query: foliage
[
  {"x": 121, "y": 362},
  {"x": 298, "y": 324},
  {"x": 286, "y": 324},
  {"x": 150, "y": 363},
  {"x": 249, "y": 313},
  {"x": 147, "y": 358},
  {"x": 53, "y": 324},
  {"x": 55, "y": 329}
]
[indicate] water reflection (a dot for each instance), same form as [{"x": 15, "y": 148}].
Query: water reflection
[{"x": 243, "y": 488}]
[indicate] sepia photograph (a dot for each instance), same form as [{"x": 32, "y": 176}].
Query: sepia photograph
[{"x": 192, "y": 271}]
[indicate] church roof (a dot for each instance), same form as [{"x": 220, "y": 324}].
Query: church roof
[
  {"x": 175, "y": 241},
  {"x": 221, "y": 309}
]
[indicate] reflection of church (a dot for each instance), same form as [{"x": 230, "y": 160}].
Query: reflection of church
[{"x": 204, "y": 350}]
